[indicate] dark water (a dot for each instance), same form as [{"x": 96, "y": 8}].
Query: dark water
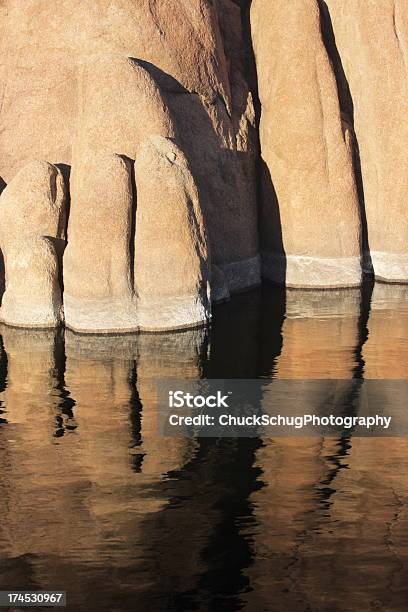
[{"x": 94, "y": 502}]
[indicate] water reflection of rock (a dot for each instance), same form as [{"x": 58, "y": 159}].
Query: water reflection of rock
[
  {"x": 113, "y": 380},
  {"x": 320, "y": 340},
  {"x": 122, "y": 515},
  {"x": 160, "y": 357},
  {"x": 385, "y": 352},
  {"x": 201, "y": 541},
  {"x": 332, "y": 524},
  {"x": 333, "y": 513},
  {"x": 91, "y": 488},
  {"x": 321, "y": 334},
  {"x": 33, "y": 465},
  {"x": 246, "y": 335}
]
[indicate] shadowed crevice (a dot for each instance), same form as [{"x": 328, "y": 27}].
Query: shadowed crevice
[
  {"x": 329, "y": 40},
  {"x": 347, "y": 111},
  {"x": 64, "y": 224},
  {"x": 269, "y": 217},
  {"x": 131, "y": 165}
]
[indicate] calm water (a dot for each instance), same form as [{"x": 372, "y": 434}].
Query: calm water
[{"x": 94, "y": 502}]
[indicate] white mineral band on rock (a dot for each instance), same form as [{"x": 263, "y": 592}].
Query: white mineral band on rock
[
  {"x": 390, "y": 267},
  {"x": 34, "y": 316},
  {"x": 173, "y": 312},
  {"x": 116, "y": 316},
  {"x": 99, "y": 316},
  {"x": 312, "y": 272}
]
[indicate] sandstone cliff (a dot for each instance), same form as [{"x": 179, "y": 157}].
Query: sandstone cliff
[{"x": 180, "y": 149}]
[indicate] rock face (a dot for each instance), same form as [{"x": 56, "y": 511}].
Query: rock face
[
  {"x": 32, "y": 239},
  {"x": 33, "y": 204},
  {"x": 33, "y": 293},
  {"x": 372, "y": 42},
  {"x": 98, "y": 260},
  {"x": 150, "y": 272},
  {"x": 112, "y": 74},
  {"x": 171, "y": 251},
  {"x": 119, "y": 105},
  {"x": 311, "y": 228},
  {"x": 268, "y": 136},
  {"x": 42, "y": 50}
]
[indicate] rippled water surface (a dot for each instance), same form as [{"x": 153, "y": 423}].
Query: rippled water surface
[{"x": 94, "y": 502}]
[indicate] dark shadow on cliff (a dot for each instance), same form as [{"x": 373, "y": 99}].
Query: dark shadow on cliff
[
  {"x": 131, "y": 164},
  {"x": 66, "y": 173},
  {"x": 269, "y": 218},
  {"x": 270, "y": 227},
  {"x": 347, "y": 110},
  {"x": 231, "y": 171},
  {"x": 3, "y": 368},
  {"x": 250, "y": 61}
]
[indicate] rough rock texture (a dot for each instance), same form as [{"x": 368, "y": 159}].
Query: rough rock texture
[
  {"x": 372, "y": 42},
  {"x": 98, "y": 268},
  {"x": 310, "y": 220},
  {"x": 297, "y": 95},
  {"x": 93, "y": 78},
  {"x": 152, "y": 272},
  {"x": 119, "y": 106},
  {"x": 32, "y": 232},
  {"x": 33, "y": 293},
  {"x": 33, "y": 204},
  {"x": 42, "y": 49},
  {"x": 171, "y": 251}
]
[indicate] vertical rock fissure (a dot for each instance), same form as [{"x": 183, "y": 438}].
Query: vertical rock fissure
[
  {"x": 347, "y": 110},
  {"x": 252, "y": 78},
  {"x": 64, "y": 221},
  {"x": 132, "y": 236}
]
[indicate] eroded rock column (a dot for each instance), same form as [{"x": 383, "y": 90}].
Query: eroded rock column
[
  {"x": 171, "y": 251},
  {"x": 118, "y": 103},
  {"x": 32, "y": 237},
  {"x": 97, "y": 264},
  {"x": 372, "y": 40},
  {"x": 121, "y": 110},
  {"x": 310, "y": 222}
]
